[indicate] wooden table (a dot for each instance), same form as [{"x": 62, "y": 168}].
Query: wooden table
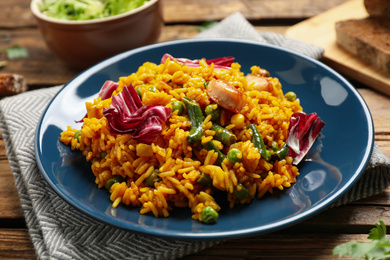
[{"x": 312, "y": 239}]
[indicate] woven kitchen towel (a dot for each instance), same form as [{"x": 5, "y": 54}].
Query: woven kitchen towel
[
  {"x": 236, "y": 26},
  {"x": 58, "y": 231}
]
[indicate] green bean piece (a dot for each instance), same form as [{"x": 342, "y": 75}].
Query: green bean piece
[
  {"x": 258, "y": 142},
  {"x": 179, "y": 106},
  {"x": 209, "y": 215},
  {"x": 153, "y": 178},
  {"x": 194, "y": 112},
  {"x": 113, "y": 180},
  {"x": 196, "y": 118},
  {"x": 77, "y": 135},
  {"x": 223, "y": 135},
  {"x": 205, "y": 179},
  {"x": 234, "y": 155},
  {"x": 282, "y": 152},
  {"x": 195, "y": 135},
  {"x": 214, "y": 110},
  {"x": 103, "y": 154},
  {"x": 211, "y": 146},
  {"x": 240, "y": 191},
  {"x": 291, "y": 96}
]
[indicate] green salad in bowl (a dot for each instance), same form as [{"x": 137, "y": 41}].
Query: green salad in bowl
[{"x": 87, "y": 9}]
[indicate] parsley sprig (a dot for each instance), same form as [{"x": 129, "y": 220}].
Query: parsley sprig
[
  {"x": 376, "y": 249},
  {"x": 15, "y": 52}
]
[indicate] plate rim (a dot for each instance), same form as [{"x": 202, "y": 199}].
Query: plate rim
[{"x": 280, "y": 224}]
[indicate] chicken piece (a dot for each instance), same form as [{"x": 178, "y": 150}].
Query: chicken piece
[
  {"x": 226, "y": 96},
  {"x": 261, "y": 83}
]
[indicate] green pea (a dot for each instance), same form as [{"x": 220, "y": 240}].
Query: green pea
[
  {"x": 153, "y": 178},
  {"x": 214, "y": 110},
  {"x": 77, "y": 135},
  {"x": 274, "y": 145},
  {"x": 291, "y": 96},
  {"x": 240, "y": 191},
  {"x": 103, "y": 154},
  {"x": 209, "y": 215},
  {"x": 234, "y": 155},
  {"x": 111, "y": 181},
  {"x": 152, "y": 89},
  {"x": 205, "y": 179},
  {"x": 139, "y": 92},
  {"x": 179, "y": 106}
]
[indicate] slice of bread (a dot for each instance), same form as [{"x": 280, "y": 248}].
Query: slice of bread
[
  {"x": 378, "y": 7},
  {"x": 368, "y": 39},
  {"x": 12, "y": 84}
]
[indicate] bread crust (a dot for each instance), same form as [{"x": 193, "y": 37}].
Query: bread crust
[
  {"x": 11, "y": 84},
  {"x": 378, "y": 8},
  {"x": 368, "y": 39}
]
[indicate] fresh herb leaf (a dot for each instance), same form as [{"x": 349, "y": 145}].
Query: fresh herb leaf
[
  {"x": 16, "y": 52},
  {"x": 379, "y": 232},
  {"x": 378, "y": 248},
  {"x": 206, "y": 25}
]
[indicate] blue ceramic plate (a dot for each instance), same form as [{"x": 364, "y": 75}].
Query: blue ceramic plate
[{"x": 333, "y": 165}]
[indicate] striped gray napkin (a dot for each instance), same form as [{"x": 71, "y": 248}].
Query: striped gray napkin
[
  {"x": 58, "y": 231},
  {"x": 236, "y": 26}
]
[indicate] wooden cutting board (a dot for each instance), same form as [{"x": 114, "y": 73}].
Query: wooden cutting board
[{"x": 320, "y": 30}]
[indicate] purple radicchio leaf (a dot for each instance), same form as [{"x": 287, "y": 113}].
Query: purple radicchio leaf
[
  {"x": 107, "y": 89},
  {"x": 219, "y": 63},
  {"x": 105, "y": 92},
  {"x": 127, "y": 115},
  {"x": 302, "y": 133}
]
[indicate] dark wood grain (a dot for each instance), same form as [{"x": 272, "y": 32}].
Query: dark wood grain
[
  {"x": 305, "y": 246},
  {"x": 16, "y": 14},
  {"x": 178, "y": 11},
  {"x": 184, "y": 11},
  {"x": 16, "y": 244}
]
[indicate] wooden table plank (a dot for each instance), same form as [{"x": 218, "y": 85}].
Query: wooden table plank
[
  {"x": 176, "y": 11},
  {"x": 179, "y": 11},
  {"x": 9, "y": 199},
  {"x": 288, "y": 246},
  {"x": 16, "y": 14},
  {"x": 42, "y": 68},
  {"x": 16, "y": 244},
  {"x": 379, "y": 107},
  {"x": 305, "y": 246}
]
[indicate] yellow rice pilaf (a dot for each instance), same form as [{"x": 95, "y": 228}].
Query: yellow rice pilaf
[{"x": 180, "y": 164}]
